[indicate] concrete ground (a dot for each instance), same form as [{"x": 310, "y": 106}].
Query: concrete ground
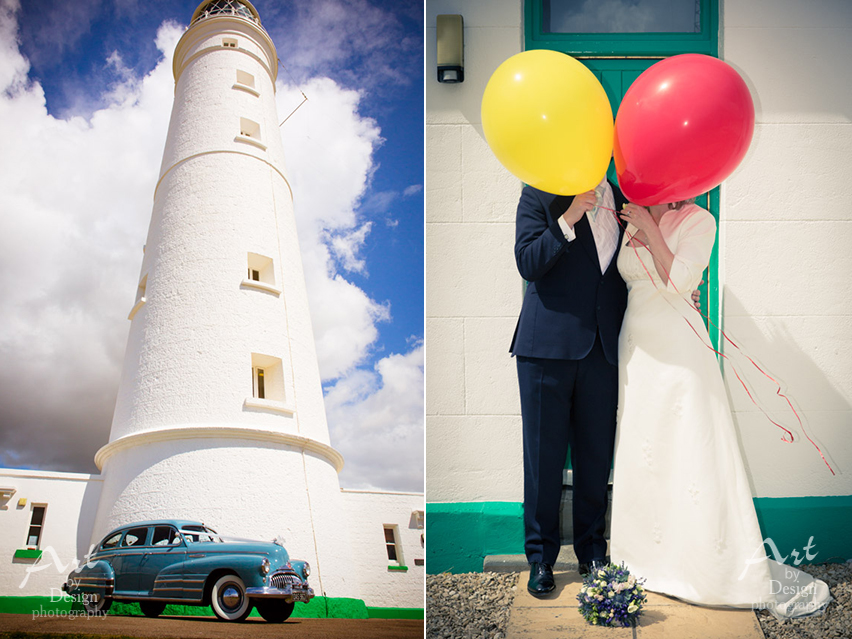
[
  {"x": 211, "y": 628},
  {"x": 557, "y": 617}
]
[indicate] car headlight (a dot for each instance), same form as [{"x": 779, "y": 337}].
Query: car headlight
[
  {"x": 306, "y": 570},
  {"x": 264, "y": 566}
]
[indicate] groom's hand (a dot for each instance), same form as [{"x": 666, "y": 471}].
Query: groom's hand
[{"x": 582, "y": 202}]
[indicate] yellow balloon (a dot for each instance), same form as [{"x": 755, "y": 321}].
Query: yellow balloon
[{"x": 547, "y": 119}]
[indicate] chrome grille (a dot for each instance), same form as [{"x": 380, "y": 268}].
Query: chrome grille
[{"x": 282, "y": 579}]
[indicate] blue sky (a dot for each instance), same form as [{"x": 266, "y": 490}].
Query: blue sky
[{"x": 85, "y": 96}]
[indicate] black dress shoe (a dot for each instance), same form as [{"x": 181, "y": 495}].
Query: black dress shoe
[
  {"x": 541, "y": 580},
  {"x": 593, "y": 565}
]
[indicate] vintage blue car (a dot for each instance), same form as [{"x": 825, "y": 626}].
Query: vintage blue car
[{"x": 186, "y": 562}]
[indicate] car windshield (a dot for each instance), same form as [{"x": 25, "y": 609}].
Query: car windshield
[{"x": 194, "y": 534}]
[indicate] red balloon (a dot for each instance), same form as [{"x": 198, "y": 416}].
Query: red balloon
[{"x": 683, "y": 127}]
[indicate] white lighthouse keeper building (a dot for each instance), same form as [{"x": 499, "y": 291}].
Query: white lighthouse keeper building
[{"x": 220, "y": 413}]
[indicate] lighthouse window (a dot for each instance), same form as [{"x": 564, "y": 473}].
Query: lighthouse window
[
  {"x": 246, "y": 79},
  {"x": 259, "y": 383},
  {"x": 260, "y": 274},
  {"x": 267, "y": 385},
  {"x": 36, "y": 525},
  {"x": 231, "y": 43},
  {"x": 249, "y": 128}
]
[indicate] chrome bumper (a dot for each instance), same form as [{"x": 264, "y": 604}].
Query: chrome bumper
[{"x": 303, "y": 594}]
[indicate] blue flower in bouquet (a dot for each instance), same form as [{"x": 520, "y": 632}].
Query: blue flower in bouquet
[{"x": 611, "y": 596}]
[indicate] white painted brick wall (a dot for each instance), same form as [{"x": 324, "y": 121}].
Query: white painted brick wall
[
  {"x": 367, "y": 512},
  {"x": 71, "y": 500},
  {"x": 473, "y": 290}
]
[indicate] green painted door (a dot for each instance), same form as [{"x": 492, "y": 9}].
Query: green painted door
[{"x": 617, "y": 59}]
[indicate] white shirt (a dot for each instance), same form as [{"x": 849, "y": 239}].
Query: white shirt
[{"x": 604, "y": 226}]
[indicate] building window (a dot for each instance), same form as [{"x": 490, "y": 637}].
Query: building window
[
  {"x": 267, "y": 377},
  {"x": 585, "y": 16},
  {"x": 231, "y": 43},
  {"x": 392, "y": 545},
  {"x": 245, "y": 82},
  {"x": 249, "y": 128},
  {"x": 246, "y": 79},
  {"x": 258, "y": 382},
  {"x": 260, "y": 274},
  {"x": 36, "y": 525}
]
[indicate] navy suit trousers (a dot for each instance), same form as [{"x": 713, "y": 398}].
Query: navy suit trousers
[{"x": 567, "y": 403}]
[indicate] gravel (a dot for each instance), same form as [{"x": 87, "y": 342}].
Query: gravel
[
  {"x": 835, "y": 622},
  {"x": 469, "y": 606},
  {"x": 476, "y": 606}
]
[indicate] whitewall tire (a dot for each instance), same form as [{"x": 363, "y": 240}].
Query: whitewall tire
[{"x": 228, "y": 598}]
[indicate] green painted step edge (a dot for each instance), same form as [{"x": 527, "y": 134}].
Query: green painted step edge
[
  {"x": 319, "y": 607},
  {"x": 400, "y": 568},
  {"x": 28, "y": 553},
  {"x": 461, "y": 535}
]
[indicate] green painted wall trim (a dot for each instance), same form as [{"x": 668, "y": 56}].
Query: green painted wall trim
[
  {"x": 791, "y": 522},
  {"x": 28, "y": 553},
  {"x": 400, "y": 568},
  {"x": 461, "y": 535},
  {"x": 395, "y": 613},
  {"x": 319, "y": 607}
]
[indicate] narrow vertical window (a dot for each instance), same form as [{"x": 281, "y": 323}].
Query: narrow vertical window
[
  {"x": 254, "y": 275},
  {"x": 391, "y": 544},
  {"x": 259, "y": 381},
  {"x": 36, "y": 525}
]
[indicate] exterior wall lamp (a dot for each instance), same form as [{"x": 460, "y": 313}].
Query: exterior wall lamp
[{"x": 450, "y": 29}]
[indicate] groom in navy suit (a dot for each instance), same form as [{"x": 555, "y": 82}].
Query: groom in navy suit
[{"x": 566, "y": 344}]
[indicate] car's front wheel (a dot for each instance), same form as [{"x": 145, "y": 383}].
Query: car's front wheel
[
  {"x": 228, "y": 598},
  {"x": 152, "y": 608},
  {"x": 274, "y": 610},
  {"x": 96, "y": 604}
]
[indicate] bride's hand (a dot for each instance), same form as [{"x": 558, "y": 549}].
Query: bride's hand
[{"x": 638, "y": 216}]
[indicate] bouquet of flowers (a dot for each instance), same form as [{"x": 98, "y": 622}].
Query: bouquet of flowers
[{"x": 611, "y": 596}]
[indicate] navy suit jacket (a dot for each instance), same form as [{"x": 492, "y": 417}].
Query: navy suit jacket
[{"x": 568, "y": 300}]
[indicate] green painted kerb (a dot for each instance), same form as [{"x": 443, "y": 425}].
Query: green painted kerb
[
  {"x": 27, "y": 553},
  {"x": 399, "y": 568},
  {"x": 461, "y": 535},
  {"x": 319, "y": 607}
]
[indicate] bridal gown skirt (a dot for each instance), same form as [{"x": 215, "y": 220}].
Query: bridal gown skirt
[{"x": 682, "y": 511}]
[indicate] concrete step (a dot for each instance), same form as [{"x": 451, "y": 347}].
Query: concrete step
[{"x": 566, "y": 561}]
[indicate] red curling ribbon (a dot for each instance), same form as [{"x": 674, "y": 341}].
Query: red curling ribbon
[{"x": 720, "y": 354}]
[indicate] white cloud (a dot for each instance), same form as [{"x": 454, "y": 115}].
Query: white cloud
[
  {"x": 377, "y": 418},
  {"x": 75, "y": 202}
]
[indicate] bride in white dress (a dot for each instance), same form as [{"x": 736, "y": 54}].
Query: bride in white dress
[{"x": 682, "y": 510}]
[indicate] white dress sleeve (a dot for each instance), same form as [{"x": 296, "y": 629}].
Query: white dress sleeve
[{"x": 696, "y": 236}]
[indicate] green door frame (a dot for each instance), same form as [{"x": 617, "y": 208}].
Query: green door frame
[{"x": 631, "y": 53}]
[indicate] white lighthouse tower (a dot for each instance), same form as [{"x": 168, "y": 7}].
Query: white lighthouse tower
[{"x": 220, "y": 413}]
